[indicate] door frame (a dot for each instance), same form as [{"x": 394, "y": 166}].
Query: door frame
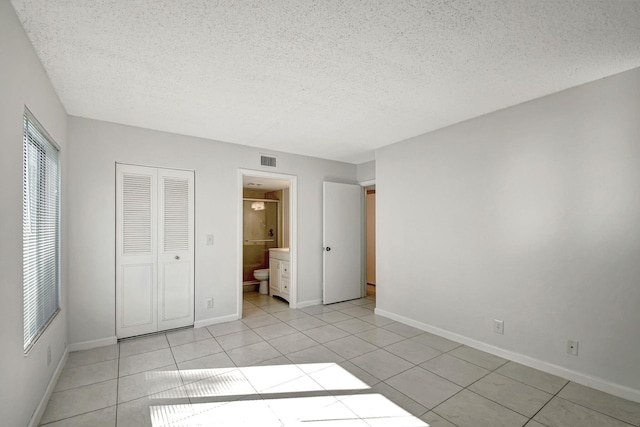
[
  {"x": 293, "y": 231},
  {"x": 364, "y": 185}
]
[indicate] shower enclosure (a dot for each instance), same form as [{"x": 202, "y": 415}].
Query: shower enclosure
[{"x": 260, "y": 233}]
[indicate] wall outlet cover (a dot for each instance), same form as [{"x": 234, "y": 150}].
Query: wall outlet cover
[
  {"x": 498, "y": 326},
  {"x": 572, "y": 347}
]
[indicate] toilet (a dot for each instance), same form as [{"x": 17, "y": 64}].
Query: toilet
[{"x": 263, "y": 276}]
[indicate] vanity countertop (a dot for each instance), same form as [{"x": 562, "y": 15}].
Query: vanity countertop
[{"x": 279, "y": 253}]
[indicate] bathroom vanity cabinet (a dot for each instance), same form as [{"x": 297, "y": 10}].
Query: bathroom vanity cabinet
[{"x": 279, "y": 277}]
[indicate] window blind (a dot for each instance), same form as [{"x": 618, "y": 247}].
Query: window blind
[{"x": 40, "y": 230}]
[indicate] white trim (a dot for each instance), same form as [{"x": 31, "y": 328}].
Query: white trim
[
  {"x": 363, "y": 249},
  {"x": 87, "y": 345},
  {"x": 568, "y": 374},
  {"x": 365, "y": 184},
  {"x": 293, "y": 232},
  {"x": 215, "y": 320},
  {"x": 39, "y": 412},
  {"x": 305, "y": 304}
]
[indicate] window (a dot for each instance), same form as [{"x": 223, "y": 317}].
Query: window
[{"x": 40, "y": 230}]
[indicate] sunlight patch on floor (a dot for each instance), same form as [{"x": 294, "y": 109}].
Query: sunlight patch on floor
[{"x": 281, "y": 395}]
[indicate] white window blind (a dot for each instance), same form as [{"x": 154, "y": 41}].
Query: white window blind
[{"x": 40, "y": 230}]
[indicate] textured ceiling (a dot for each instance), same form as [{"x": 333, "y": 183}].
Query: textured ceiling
[{"x": 331, "y": 79}]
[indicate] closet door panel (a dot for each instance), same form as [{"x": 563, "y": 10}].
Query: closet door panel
[
  {"x": 137, "y": 296},
  {"x": 175, "y": 248},
  {"x": 136, "y": 250},
  {"x": 177, "y": 296}
]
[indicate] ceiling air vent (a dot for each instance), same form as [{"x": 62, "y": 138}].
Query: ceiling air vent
[{"x": 268, "y": 161}]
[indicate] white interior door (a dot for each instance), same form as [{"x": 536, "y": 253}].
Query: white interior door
[
  {"x": 342, "y": 241},
  {"x": 136, "y": 253},
  {"x": 175, "y": 249},
  {"x": 155, "y": 249}
]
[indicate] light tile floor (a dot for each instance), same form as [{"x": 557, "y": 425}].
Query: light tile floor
[{"x": 336, "y": 365}]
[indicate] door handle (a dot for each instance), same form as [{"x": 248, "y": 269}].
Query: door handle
[
  {"x": 177, "y": 257},
  {"x": 328, "y": 249}
]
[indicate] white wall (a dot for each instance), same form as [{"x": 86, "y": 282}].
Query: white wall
[
  {"x": 23, "y": 380},
  {"x": 366, "y": 171},
  {"x": 530, "y": 215},
  {"x": 96, "y": 147}
]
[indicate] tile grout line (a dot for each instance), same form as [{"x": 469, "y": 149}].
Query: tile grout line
[
  {"x": 543, "y": 406},
  {"x": 178, "y": 370},
  {"x": 524, "y": 383},
  {"x": 473, "y": 363},
  {"x": 490, "y": 371},
  {"x": 586, "y": 407},
  {"x": 181, "y": 379},
  {"x": 467, "y": 388},
  {"x": 117, "y": 385},
  {"x": 85, "y": 385},
  {"x": 447, "y": 399}
]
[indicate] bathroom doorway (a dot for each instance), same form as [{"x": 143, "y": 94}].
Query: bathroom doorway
[
  {"x": 267, "y": 235},
  {"x": 262, "y": 231}
]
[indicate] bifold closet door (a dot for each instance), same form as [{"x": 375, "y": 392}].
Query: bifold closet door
[
  {"x": 154, "y": 255},
  {"x": 175, "y": 249}
]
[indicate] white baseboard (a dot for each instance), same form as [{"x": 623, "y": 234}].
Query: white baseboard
[
  {"x": 304, "y": 304},
  {"x": 39, "y": 412},
  {"x": 86, "y": 345},
  {"x": 571, "y": 375},
  {"x": 215, "y": 320}
]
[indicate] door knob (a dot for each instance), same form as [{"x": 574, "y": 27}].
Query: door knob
[
  {"x": 328, "y": 249},
  {"x": 177, "y": 257}
]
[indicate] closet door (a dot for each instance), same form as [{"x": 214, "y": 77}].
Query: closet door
[
  {"x": 155, "y": 249},
  {"x": 136, "y": 250},
  {"x": 175, "y": 249}
]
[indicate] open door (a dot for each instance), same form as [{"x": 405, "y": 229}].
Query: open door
[{"x": 342, "y": 242}]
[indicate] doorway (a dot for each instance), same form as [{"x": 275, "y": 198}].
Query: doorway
[
  {"x": 267, "y": 227},
  {"x": 370, "y": 237},
  {"x": 262, "y": 226}
]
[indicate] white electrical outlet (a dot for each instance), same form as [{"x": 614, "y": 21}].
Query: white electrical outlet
[
  {"x": 498, "y": 326},
  {"x": 209, "y": 239},
  {"x": 572, "y": 347},
  {"x": 209, "y": 302},
  {"x": 48, "y": 355}
]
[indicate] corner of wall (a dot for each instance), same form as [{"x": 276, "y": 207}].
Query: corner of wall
[
  {"x": 37, "y": 414},
  {"x": 215, "y": 320},
  {"x": 366, "y": 171}
]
